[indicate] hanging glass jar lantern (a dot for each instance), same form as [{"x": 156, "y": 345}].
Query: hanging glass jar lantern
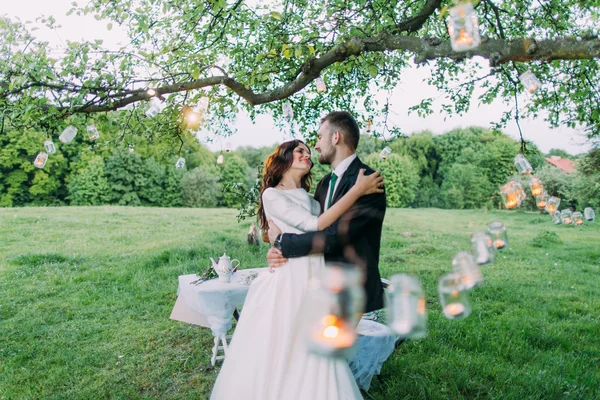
[
  {"x": 556, "y": 219},
  {"x": 156, "y": 106},
  {"x": 320, "y": 85},
  {"x": 535, "y": 184},
  {"x": 566, "y": 217},
  {"x": 406, "y": 308},
  {"x": 463, "y": 27},
  {"x": 497, "y": 232},
  {"x": 552, "y": 205},
  {"x": 530, "y": 81},
  {"x": 68, "y": 134},
  {"x": 40, "y": 160},
  {"x": 523, "y": 166},
  {"x": 369, "y": 126},
  {"x": 589, "y": 213},
  {"x": 228, "y": 147},
  {"x": 541, "y": 201},
  {"x": 49, "y": 146},
  {"x": 334, "y": 305},
  {"x": 180, "y": 163},
  {"x": 288, "y": 112},
  {"x": 93, "y": 133},
  {"x": 510, "y": 195},
  {"x": 385, "y": 152},
  {"x": 469, "y": 272},
  {"x": 131, "y": 148},
  {"x": 202, "y": 106},
  {"x": 454, "y": 297},
  {"x": 484, "y": 252},
  {"x": 151, "y": 92},
  {"x": 577, "y": 218},
  {"x": 220, "y": 159},
  {"x": 192, "y": 119}
]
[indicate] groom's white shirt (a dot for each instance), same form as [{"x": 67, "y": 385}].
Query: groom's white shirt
[{"x": 339, "y": 171}]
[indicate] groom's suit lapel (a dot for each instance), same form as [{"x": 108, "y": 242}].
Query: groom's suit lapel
[
  {"x": 348, "y": 179},
  {"x": 321, "y": 193}
]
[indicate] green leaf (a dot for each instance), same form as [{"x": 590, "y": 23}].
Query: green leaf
[
  {"x": 109, "y": 26},
  {"x": 373, "y": 71},
  {"x": 276, "y": 15}
]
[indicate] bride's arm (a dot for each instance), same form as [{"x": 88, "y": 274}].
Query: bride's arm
[{"x": 365, "y": 184}]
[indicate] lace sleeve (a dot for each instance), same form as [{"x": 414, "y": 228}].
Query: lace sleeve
[{"x": 279, "y": 206}]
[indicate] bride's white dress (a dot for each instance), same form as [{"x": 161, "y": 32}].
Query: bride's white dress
[{"x": 267, "y": 357}]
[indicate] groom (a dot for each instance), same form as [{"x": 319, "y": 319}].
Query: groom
[{"x": 355, "y": 237}]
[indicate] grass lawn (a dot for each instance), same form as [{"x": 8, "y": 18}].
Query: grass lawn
[{"x": 86, "y": 293}]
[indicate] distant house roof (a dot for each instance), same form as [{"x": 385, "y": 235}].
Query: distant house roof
[{"x": 563, "y": 163}]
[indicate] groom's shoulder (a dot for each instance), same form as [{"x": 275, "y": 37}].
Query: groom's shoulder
[{"x": 367, "y": 168}]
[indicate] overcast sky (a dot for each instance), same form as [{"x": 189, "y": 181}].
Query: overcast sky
[{"x": 409, "y": 91}]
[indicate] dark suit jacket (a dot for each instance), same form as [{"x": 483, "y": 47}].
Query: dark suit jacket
[{"x": 354, "y": 238}]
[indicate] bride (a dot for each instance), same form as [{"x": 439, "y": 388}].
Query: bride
[{"x": 266, "y": 358}]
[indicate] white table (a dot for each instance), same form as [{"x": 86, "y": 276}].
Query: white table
[{"x": 217, "y": 301}]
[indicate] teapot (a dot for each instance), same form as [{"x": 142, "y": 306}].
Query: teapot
[{"x": 224, "y": 267}]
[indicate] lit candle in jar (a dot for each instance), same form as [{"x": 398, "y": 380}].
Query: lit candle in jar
[
  {"x": 511, "y": 201},
  {"x": 541, "y": 204},
  {"x": 335, "y": 333},
  {"x": 464, "y": 37},
  {"x": 499, "y": 244},
  {"x": 551, "y": 208},
  {"x": 454, "y": 309}
]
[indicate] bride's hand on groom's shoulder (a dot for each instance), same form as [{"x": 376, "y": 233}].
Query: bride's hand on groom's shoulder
[{"x": 368, "y": 184}]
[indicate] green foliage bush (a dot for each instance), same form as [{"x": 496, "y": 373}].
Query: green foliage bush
[
  {"x": 232, "y": 178},
  {"x": 401, "y": 178},
  {"x": 465, "y": 186},
  {"x": 200, "y": 188},
  {"x": 546, "y": 239},
  {"x": 89, "y": 186}
]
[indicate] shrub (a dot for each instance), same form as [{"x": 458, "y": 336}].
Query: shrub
[
  {"x": 465, "y": 186},
  {"x": 401, "y": 178},
  {"x": 89, "y": 186},
  {"x": 200, "y": 188}
]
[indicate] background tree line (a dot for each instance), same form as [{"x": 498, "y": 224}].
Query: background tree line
[{"x": 461, "y": 169}]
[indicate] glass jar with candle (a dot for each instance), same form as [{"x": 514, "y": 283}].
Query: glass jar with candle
[
  {"x": 536, "y": 186},
  {"x": 589, "y": 213},
  {"x": 541, "y": 201},
  {"x": 465, "y": 266},
  {"x": 288, "y": 112},
  {"x": 49, "y": 146},
  {"x": 335, "y": 302},
  {"x": 406, "y": 308},
  {"x": 566, "y": 217},
  {"x": 454, "y": 297},
  {"x": 556, "y": 219},
  {"x": 497, "y": 232},
  {"x": 156, "y": 106},
  {"x": 577, "y": 218},
  {"x": 320, "y": 85},
  {"x": 68, "y": 134},
  {"x": 93, "y": 133},
  {"x": 180, "y": 163},
  {"x": 484, "y": 252},
  {"x": 463, "y": 27},
  {"x": 552, "y": 205},
  {"x": 385, "y": 152},
  {"x": 530, "y": 81},
  {"x": 523, "y": 166},
  {"x": 510, "y": 196},
  {"x": 40, "y": 160}
]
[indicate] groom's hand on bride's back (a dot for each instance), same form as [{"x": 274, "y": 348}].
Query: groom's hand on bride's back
[{"x": 275, "y": 259}]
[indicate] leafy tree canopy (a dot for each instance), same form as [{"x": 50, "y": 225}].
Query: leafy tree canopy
[{"x": 254, "y": 55}]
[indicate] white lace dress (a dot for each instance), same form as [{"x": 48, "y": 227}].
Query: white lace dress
[{"x": 267, "y": 358}]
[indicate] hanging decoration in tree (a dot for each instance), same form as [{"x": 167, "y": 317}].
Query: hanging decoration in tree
[
  {"x": 589, "y": 213},
  {"x": 542, "y": 200},
  {"x": 497, "y": 232},
  {"x": 151, "y": 92},
  {"x": 228, "y": 147},
  {"x": 93, "y": 133},
  {"x": 464, "y": 265},
  {"x": 131, "y": 148},
  {"x": 510, "y": 195},
  {"x": 369, "y": 126},
  {"x": 577, "y": 218},
  {"x": 406, "y": 313},
  {"x": 454, "y": 297},
  {"x": 556, "y": 219},
  {"x": 180, "y": 163},
  {"x": 192, "y": 119},
  {"x": 463, "y": 27},
  {"x": 49, "y": 146},
  {"x": 385, "y": 152},
  {"x": 220, "y": 159},
  {"x": 530, "y": 81},
  {"x": 523, "y": 166},
  {"x": 40, "y": 160},
  {"x": 536, "y": 187},
  {"x": 156, "y": 106},
  {"x": 320, "y": 85},
  {"x": 202, "y": 106},
  {"x": 552, "y": 205},
  {"x": 68, "y": 134},
  {"x": 288, "y": 112}
]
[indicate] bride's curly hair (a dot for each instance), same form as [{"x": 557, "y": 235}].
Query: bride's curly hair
[{"x": 275, "y": 166}]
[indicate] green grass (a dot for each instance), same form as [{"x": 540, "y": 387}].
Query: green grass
[{"x": 86, "y": 293}]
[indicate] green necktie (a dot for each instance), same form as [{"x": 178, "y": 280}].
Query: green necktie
[{"x": 332, "y": 188}]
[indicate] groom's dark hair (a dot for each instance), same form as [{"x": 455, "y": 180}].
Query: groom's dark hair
[{"x": 346, "y": 124}]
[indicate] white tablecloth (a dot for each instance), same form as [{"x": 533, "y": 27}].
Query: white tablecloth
[{"x": 216, "y": 299}]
